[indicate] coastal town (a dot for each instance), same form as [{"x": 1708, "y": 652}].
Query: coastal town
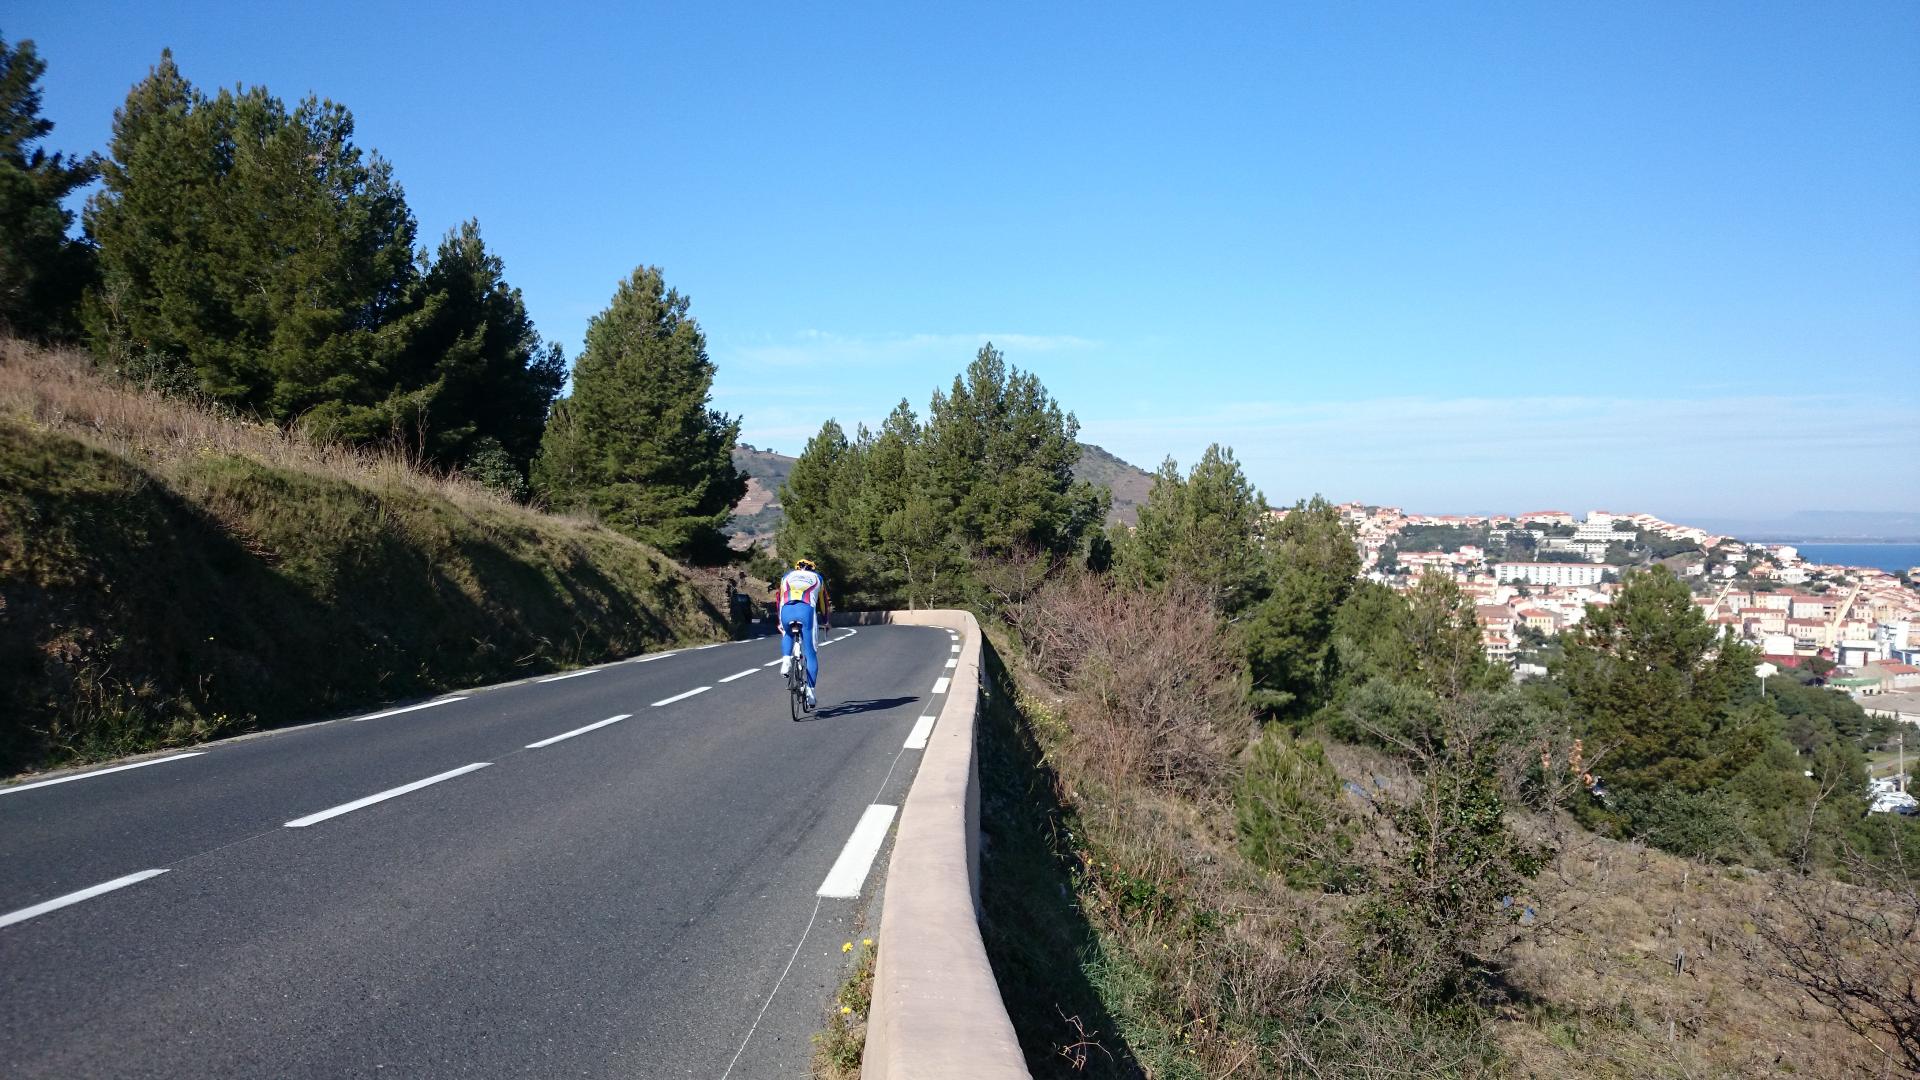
[{"x": 1532, "y": 576}]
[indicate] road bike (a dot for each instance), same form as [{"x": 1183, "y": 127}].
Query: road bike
[{"x": 797, "y": 671}]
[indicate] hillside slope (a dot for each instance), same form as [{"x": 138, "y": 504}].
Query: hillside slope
[
  {"x": 1128, "y": 482},
  {"x": 758, "y": 516},
  {"x": 169, "y": 575}
]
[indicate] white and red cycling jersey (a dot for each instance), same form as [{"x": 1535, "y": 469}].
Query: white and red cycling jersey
[{"x": 802, "y": 587}]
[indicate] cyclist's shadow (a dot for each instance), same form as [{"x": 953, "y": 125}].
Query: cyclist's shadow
[{"x": 854, "y": 708}]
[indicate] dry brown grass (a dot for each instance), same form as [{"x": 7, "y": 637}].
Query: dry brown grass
[
  {"x": 62, "y": 390},
  {"x": 172, "y": 573},
  {"x": 1634, "y": 963},
  {"x": 1650, "y": 965}
]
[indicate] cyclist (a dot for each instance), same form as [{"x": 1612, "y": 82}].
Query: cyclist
[{"x": 802, "y": 598}]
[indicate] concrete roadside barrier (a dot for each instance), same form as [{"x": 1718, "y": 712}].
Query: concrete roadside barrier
[{"x": 937, "y": 1013}]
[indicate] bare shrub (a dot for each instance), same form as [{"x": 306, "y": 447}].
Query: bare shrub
[
  {"x": 1157, "y": 691},
  {"x": 1852, "y": 950}
]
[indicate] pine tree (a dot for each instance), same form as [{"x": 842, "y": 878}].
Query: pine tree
[
  {"x": 484, "y": 378},
  {"x": 1313, "y": 563},
  {"x": 1000, "y": 457},
  {"x": 42, "y": 270},
  {"x": 638, "y": 443},
  {"x": 258, "y": 247},
  {"x": 1205, "y": 527},
  {"x": 1654, "y": 687}
]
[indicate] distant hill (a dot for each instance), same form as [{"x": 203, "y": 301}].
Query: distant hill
[
  {"x": 1129, "y": 483},
  {"x": 1806, "y": 525},
  {"x": 758, "y": 516}
]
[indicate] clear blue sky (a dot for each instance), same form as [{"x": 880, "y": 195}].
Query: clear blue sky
[{"x": 1454, "y": 257}]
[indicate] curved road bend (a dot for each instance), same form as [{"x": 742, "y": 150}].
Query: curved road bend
[{"x": 511, "y": 882}]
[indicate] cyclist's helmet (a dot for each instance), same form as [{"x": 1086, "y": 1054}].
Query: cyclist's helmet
[{"x": 803, "y": 564}]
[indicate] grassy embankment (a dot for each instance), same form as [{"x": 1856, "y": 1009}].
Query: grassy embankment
[
  {"x": 169, "y": 574},
  {"x": 1132, "y": 939}
]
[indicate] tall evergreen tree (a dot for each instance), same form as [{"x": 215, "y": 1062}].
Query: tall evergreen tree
[
  {"x": 1313, "y": 564},
  {"x": 1000, "y": 457},
  {"x": 258, "y": 247},
  {"x": 815, "y": 495},
  {"x": 483, "y": 376},
  {"x": 43, "y": 271},
  {"x": 919, "y": 559},
  {"x": 1206, "y": 527},
  {"x": 640, "y": 445},
  {"x": 1654, "y": 688}
]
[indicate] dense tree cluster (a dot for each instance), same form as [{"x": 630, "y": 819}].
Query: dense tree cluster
[
  {"x": 248, "y": 252},
  {"x": 925, "y": 513},
  {"x": 252, "y": 251}
]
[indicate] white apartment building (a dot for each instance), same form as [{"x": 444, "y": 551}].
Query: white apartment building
[{"x": 1549, "y": 573}]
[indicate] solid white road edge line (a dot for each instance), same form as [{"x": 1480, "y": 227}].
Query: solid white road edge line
[
  {"x": 570, "y": 675},
  {"x": 59, "y": 902},
  {"x": 348, "y": 808},
  {"x": 577, "y": 731},
  {"x": 922, "y": 731},
  {"x": 715, "y": 645},
  {"x": 651, "y": 659},
  {"x": 771, "y": 994},
  {"x": 99, "y": 772},
  {"x": 682, "y": 697},
  {"x": 850, "y": 869},
  {"x": 408, "y": 709},
  {"x": 740, "y": 675},
  {"x": 940, "y": 685}
]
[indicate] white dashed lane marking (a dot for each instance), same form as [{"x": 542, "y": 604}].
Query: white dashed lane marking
[
  {"x": 682, "y": 697},
  {"x": 940, "y": 685},
  {"x": 577, "y": 731},
  {"x": 99, "y": 772},
  {"x": 390, "y": 793},
  {"x": 89, "y": 893},
  {"x": 922, "y": 731},
  {"x": 850, "y": 869},
  {"x": 740, "y": 674},
  {"x": 410, "y": 708}
]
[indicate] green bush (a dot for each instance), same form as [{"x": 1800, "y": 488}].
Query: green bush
[{"x": 1286, "y": 814}]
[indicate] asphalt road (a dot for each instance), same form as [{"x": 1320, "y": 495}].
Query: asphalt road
[{"x": 642, "y": 898}]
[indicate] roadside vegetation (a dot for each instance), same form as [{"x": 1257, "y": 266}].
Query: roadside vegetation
[
  {"x": 1249, "y": 814},
  {"x": 169, "y": 573},
  {"x": 265, "y": 456}
]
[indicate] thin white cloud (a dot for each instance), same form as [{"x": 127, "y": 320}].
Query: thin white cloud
[{"x": 1492, "y": 452}]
